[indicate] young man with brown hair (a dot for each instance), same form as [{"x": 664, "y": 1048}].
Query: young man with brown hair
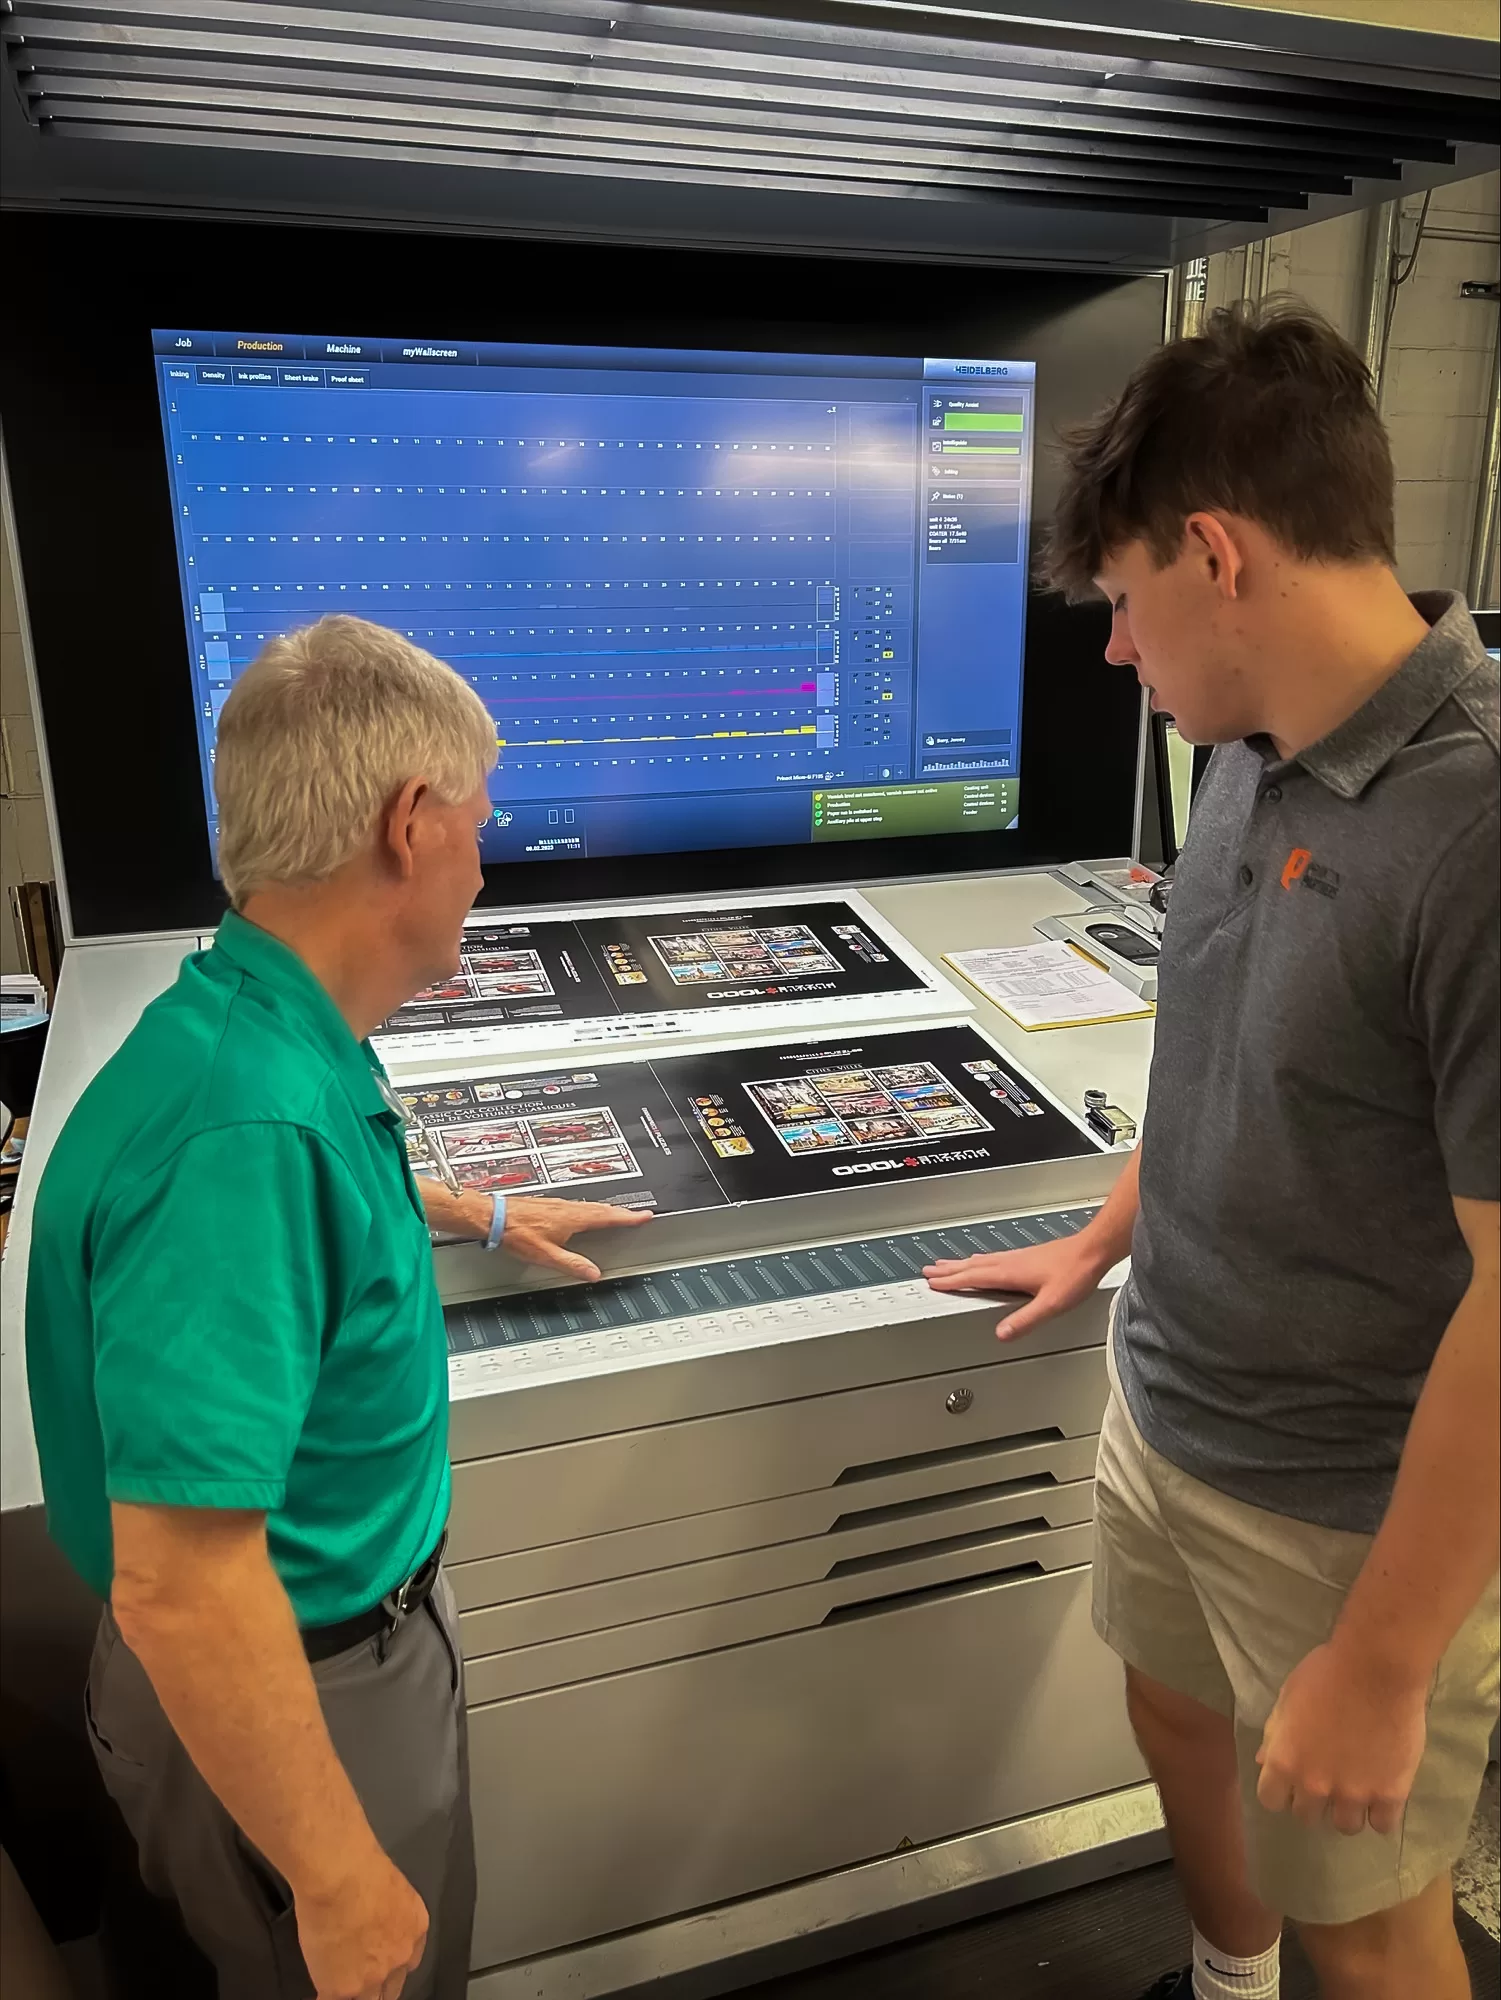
[{"x": 1297, "y": 1492}]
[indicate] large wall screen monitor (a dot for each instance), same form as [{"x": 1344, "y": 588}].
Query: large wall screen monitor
[
  {"x": 848, "y": 588},
  {"x": 711, "y": 600}
]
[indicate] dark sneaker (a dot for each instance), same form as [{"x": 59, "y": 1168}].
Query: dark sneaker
[{"x": 1172, "y": 1986}]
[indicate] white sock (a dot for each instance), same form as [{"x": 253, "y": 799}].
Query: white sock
[{"x": 1219, "y": 1976}]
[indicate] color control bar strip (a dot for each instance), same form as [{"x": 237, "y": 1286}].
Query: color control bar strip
[{"x": 771, "y": 1278}]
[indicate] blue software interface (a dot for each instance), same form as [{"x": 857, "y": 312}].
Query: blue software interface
[{"x": 711, "y": 599}]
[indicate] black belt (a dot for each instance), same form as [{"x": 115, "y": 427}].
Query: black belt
[{"x": 321, "y": 1642}]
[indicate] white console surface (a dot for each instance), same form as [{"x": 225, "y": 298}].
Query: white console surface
[
  {"x": 973, "y": 913},
  {"x": 106, "y": 985}
]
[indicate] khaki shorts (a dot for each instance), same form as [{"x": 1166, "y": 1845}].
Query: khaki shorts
[{"x": 1220, "y": 1601}]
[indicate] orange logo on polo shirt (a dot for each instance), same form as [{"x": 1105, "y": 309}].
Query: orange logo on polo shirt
[
  {"x": 1300, "y": 866},
  {"x": 1296, "y": 866}
]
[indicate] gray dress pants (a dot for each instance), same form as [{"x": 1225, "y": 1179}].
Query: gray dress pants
[{"x": 399, "y": 1729}]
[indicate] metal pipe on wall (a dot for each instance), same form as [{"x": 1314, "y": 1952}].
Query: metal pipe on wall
[
  {"x": 1381, "y": 236},
  {"x": 1255, "y": 270},
  {"x": 1479, "y": 587}
]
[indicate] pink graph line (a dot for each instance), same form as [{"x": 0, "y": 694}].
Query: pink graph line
[{"x": 608, "y": 700}]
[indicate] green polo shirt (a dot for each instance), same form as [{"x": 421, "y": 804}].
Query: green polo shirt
[{"x": 230, "y": 1300}]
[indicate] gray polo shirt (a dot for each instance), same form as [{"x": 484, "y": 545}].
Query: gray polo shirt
[{"x": 1325, "y": 1081}]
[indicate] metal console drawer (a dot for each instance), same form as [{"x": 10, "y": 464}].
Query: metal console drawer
[
  {"x": 862, "y": 1584},
  {"x": 1039, "y": 1461},
  {"x": 599, "y": 1485},
  {"x": 624, "y": 1800}
]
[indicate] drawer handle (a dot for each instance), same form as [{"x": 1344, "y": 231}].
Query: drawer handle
[
  {"x": 940, "y": 1503},
  {"x": 906, "y": 1600},
  {"x": 957, "y": 1401},
  {"x": 954, "y": 1454},
  {"x": 944, "y": 1545}
]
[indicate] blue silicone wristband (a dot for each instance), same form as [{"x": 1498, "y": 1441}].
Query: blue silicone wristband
[{"x": 497, "y": 1222}]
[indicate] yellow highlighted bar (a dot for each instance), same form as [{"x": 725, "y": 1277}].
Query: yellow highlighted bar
[{"x": 689, "y": 736}]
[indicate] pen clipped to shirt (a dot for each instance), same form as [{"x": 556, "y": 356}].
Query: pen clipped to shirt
[{"x": 442, "y": 1165}]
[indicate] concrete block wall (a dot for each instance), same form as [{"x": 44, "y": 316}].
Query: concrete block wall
[
  {"x": 1439, "y": 381},
  {"x": 25, "y": 843},
  {"x": 1324, "y": 264}
]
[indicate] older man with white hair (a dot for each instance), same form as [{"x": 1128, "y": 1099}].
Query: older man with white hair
[{"x": 237, "y": 1361}]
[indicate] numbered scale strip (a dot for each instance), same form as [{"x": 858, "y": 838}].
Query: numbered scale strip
[{"x": 775, "y": 1278}]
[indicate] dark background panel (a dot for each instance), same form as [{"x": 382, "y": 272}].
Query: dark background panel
[
  {"x": 87, "y": 462},
  {"x": 770, "y": 1173},
  {"x": 585, "y": 998},
  {"x": 670, "y": 1183},
  {"x": 661, "y": 991}
]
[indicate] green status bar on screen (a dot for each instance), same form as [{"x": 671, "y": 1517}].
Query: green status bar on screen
[{"x": 982, "y": 420}]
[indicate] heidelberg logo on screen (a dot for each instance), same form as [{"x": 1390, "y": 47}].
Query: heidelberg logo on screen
[{"x": 913, "y": 1160}]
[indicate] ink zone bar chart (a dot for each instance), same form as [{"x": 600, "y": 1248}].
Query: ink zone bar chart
[{"x": 709, "y": 599}]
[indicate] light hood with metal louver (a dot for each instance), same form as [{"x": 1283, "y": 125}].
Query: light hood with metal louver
[{"x": 836, "y": 122}]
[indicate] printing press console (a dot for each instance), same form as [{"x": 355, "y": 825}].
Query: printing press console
[{"x": 773, "y": 1567}]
